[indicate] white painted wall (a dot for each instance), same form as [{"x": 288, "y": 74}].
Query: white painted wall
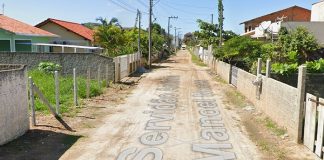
[{"x": 318, "y": 12}]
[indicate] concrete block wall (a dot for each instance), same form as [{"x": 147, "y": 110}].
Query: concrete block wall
[
  {"x": 277, "y": 100},
  {"x": 14, "y": 118},
  {"x": 68, "y": 61},
  {"x": 223, "y": 70}
]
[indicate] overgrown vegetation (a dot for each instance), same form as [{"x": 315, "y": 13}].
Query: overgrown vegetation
[
  {"x": 49, "y": 67},
  {"x": 119, "y": 41},
  {"x": 45, "y": 82},
  {"x": 293, "y": 48},
  {"x": 196, "y": 60}
]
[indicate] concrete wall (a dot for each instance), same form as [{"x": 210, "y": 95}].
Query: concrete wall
[
  {"x": 277, "y": 100},
  {"x": 14, "y": 118},
  {"x": 68, "y": 61},
  {"x": 223, "y": 70},
  {"x": 318, "y": 11},
  {"x": 126, "y": 65}
]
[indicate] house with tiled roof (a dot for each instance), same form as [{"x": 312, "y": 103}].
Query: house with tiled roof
[
  {"x": 16, "y": 36},
  {"x": 70, "y": 33}
]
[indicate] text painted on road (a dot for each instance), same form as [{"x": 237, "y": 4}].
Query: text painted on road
[
  {"x": 212, "y": 126},
  {"x": 161, "y": 114}
]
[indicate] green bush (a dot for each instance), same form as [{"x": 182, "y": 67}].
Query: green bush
[
  {"x": 284, "y": 68},
  {"x": 315, "y": 66},
  {"x": 45, "y": 82},
  {"x": 240, "y": 49},
  {"x": 49, "y": 67}
]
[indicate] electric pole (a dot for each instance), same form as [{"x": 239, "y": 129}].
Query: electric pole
[
  {"x": 175, "y": 38},
  {"x": 220, "y": 21},
  {"x": 150, "y": 33},
  {"x": 212, "y": 18},
  {"x": 169, "y": 18},
  {"x": 139, "y": 31}
]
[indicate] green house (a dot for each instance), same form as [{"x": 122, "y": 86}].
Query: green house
[{"x": 16, "y": 36}]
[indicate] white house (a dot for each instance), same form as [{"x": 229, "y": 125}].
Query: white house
[{"x": 318, "y": 12}]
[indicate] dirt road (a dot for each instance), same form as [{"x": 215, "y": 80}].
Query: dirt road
[{"x": 175, "y": 113}]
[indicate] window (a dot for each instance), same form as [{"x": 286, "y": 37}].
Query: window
[
  {"x": 5, "y": 46},
  {"x": 23, "y": 45}
]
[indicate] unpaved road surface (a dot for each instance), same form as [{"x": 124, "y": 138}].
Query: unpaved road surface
[{"x": 175, "y": 113}]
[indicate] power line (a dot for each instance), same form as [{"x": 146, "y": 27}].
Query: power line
[
  {"x": 186, "y": 5},
  {"x": 121, "y": 6},
  {"x": 180, "y": 10},
  {"x": 127, "y": 5},
  {"x": 142, "y": 3},
  {"x": 124, "y": 6},
  {"x": 156, "y": 2}
]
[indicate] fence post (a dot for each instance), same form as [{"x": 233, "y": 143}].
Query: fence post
[
  {"x": 88, "y": 83},
  {"x": 32, "y": 100},
  {"x": 259, "y": 69},
  {"x": 268, "y": 72},
  {"x": 75, "y": 88},
  {"x": 57, "y": 92},
  {"x": 301, "y": 101}
]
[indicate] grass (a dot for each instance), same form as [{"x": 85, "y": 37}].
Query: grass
[
  {"x": 273, "y": 127},
  {"x": 235, "y": 98},
  {"x": 45, "y": 82},
  {"x": 195, "y": 59}
]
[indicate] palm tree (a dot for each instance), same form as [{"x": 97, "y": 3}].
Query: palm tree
[
  {"x": 103, "y": 21},
  {"x": 113, "y": 22}
]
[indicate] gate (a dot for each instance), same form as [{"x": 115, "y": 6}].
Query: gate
[
  {"x": 234, "y": 71},
  {"x": 314, "y": 124}
]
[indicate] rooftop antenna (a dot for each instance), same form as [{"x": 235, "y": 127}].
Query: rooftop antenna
[{"x": 3, "y": 8}]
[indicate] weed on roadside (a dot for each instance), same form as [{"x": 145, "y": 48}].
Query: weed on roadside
[{"x": 197, "y": 61}]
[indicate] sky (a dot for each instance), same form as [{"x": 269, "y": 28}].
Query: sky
[{"x": 188, "y": 11}]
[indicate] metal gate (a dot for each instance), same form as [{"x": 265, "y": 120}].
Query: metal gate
[
  {"x": 314, "y": 124},
  {"x": 234, "y": 71}
]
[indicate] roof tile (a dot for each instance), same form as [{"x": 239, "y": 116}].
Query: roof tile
[
  {"x": 71, "y": 26},
  {"x": 17, "y": 27}
]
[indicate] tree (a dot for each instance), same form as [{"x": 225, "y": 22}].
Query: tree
[
  {"x": 111, "y": 38},
  {"x": 298, "y": 44},
  {"x": 209, "y": 34},
  {"x": 189, "y": 39},
  {"x": 113, "y": 22}
]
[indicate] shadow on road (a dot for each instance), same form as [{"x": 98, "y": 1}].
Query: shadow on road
[{"x": 38, "y": 145}]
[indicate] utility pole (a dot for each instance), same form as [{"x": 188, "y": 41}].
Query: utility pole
[
  {"x": 150, "y": 34},
  {"x": 220, "y": 21},
  {"x": 175, "y": 38},
  {"x": 212, "y": 18},
  {"x": 139, "y": 31},
  {"x": 169, "y": 18},
  {"x": 179, "y": 38}
]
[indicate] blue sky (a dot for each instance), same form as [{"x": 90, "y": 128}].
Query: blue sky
[{"x": 236, "y": 11}]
